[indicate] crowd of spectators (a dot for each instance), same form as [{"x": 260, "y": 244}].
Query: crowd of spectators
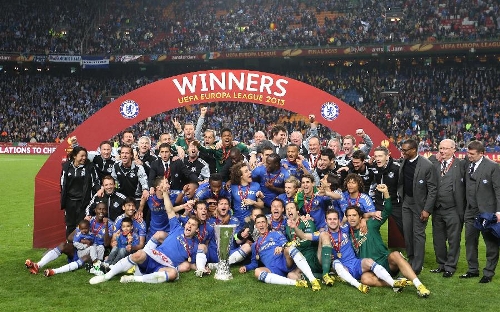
[
  {"x": 190, "y": 26},
  {"x": 427, "y": 102}
]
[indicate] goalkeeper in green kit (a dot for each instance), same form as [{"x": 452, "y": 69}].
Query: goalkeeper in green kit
[{"x": 371, "y": 245}]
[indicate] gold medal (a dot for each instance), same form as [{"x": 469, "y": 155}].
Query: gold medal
[
  {"x": 257, "y": 257},
  {"x": 339, "y": 255},
  {"x": 189, "y": 259}
]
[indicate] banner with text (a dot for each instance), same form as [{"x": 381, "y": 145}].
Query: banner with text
[
  {"x": 92, "y": 62},
  {"x": 28, "y": 148}
]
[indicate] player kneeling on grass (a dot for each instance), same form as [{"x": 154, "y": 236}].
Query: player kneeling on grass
[
  {"x": 346, "y": 264},
  {"x": 157, "y": 262},
  {"x": 83, "y": 245},
  {"x": 371, "y": 245},
  {"x": 282, "y": 264}
]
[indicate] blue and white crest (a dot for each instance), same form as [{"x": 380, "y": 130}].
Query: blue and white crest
[
  {"x": 129, "y": 109},
  {"x": 330, "y": 111}
]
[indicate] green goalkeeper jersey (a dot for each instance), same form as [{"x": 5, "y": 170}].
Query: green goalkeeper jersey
[
  {"x": 306, "y": 247},
  {"x": 371, "y": 245}
]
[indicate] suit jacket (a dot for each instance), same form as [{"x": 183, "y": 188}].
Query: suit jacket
[
  {"x": 458, "y": 171},
  {"x": 179, "y": 174},
  {"x": 487, "y": 190},
  {"x": 424, "y": 184}
]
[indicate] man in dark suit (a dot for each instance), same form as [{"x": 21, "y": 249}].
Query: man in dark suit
[
  {"x": 174, "y": 171},
  {"x": 482, "y": 189},
  {"x": 448, "y": 215},
  {"x": 417, "y": 187},
  {"x": 277, "y": 142}
]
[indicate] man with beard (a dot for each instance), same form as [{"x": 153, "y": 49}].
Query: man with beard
[
  {"x": 222, "y": 217},
  {"x": 326, "y": 165},
  {"x": 386, "y": 171},
  {"x": 314, "y": 152}
]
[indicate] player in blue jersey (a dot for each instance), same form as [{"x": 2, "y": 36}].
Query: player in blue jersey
[
  {"x": 292, "y": 185},
  {"x": 155, "y": 202},
  {"x": 311, "y": 204},
  {"x": 296, "y": 165},
  {"x": 244, "y": 238},
  {"x": 277, "y": 218},
  {"x": 129, "y": 209},
  {"x": 353, "y": 196},
  {"x": 282, "y": 264},
  {"x": 335, "y": 242},
  {"x": 160, "y": 263},
  {"x": 215, "y": 188},
  {"x": 271, "y": 178},
  {"x": 244, "y": 192},
  {"x": 67, "y": 247},
  {"x": 206, "y": 234},
  {"x": 221, "y": 217}
]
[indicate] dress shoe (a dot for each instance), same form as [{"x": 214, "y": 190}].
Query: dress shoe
[
  {"x": 485, "y": 279},
  {"x": 469, "y": 275},
  {"x": 447, "y": 274},
  {"x": 438, "y": 270}
]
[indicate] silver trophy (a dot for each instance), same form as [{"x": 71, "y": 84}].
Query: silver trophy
[{"x": 224, "y": 237}]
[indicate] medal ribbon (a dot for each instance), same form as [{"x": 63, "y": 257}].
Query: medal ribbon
[
  {"x": 336, "y": 245},
  {"x": 187, "y": 247},
  {"x": 258, "y": 244},
  {"x": 308, "y": 205}
]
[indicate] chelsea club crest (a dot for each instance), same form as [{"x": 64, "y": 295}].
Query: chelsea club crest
[
  {"x": 330, "y": 111},
  {"x": 129, "y": 109}
]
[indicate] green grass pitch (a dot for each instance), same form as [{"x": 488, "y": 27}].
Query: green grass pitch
[{"x": 20, "y": 291}]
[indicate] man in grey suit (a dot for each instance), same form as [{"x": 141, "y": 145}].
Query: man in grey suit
[
  {"x": 448, "y": 215},
  {"x": 417, "y": 187},
  {"x": 482, "y": 189}
]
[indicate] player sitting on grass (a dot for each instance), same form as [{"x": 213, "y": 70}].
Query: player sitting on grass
[
  {"x": 160, "y": 263},
  {"x": 282, "y": 265},
  {"x": 346, "y": 264},
  {"x": 79, "y": 247},
  {"x": 371, "y": 245}
]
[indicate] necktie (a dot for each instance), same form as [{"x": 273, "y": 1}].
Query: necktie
[
  {"x": 443, "y": 167},
  {"x": 472, "y": 168}
]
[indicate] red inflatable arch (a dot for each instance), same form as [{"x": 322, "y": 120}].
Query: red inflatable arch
[{"x": 192, "y": 88}]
